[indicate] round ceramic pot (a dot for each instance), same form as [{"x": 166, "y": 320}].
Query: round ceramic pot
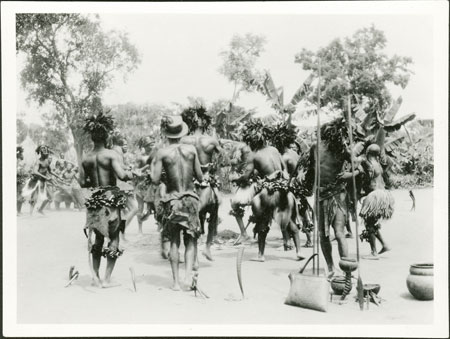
[
  {"x": 338, "y": 285},
  {"x": 348, "y": 264},
  {"x": 420, "y": 281}
]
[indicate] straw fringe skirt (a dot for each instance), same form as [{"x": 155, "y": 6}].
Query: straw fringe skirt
[{"x": 379, "y": 204}]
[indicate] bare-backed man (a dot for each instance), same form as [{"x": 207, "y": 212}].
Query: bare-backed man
[
  {"x": 178, "y": 209},
  {"x": 100, "y": 170},
  {"x": 199, "y": 122},
  {"x": 269, "y": 204}
]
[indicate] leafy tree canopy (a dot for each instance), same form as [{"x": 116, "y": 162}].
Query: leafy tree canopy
[
  {"x": 357, "y": 66},
  {"x": 70, "y": 61},
  {"x": 239, "y": 61}
]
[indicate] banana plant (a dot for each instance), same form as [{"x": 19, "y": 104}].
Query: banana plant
[
  {"x": 276, "y": 95},
  {"x": 372, "y": 122}
]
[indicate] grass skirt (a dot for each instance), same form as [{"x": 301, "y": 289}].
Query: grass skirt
[{"x": 379, "y": 204}]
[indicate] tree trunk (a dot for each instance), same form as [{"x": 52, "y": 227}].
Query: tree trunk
[{"x": 77, "y": 143}]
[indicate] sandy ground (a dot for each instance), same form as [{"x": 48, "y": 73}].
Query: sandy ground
[{"x": 49, "y": 245}]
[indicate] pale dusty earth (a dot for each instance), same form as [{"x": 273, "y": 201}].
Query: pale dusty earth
[{"x": 49, "y": 245}]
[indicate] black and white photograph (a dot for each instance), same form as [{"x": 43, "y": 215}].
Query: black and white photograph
[{"x": 225, "y": 169}]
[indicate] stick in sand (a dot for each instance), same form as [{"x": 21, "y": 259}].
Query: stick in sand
[
  {"x": 133, "y": 278},
  {"x": 74, "y": 277},
  {"x": 239, "y": 269},
  {"x": 239, "y": 237},
  {"x": 359, "y": 286}
]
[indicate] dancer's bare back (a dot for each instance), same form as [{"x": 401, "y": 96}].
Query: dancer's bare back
[
  {"x": 206, "y": 146},
  {"x": 102, "y": 168},
  {"x": 181, "y": 164}
]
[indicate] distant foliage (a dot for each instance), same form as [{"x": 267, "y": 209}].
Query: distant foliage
[
  {"x": 137, "y": 121},
  {"x": 356, "y": 66},
  {"x": 415, "y": 158},
  {"x": 239, "y": 61},
  {"x": 70, "y": 61}
]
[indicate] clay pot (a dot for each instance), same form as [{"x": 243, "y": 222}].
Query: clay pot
[
  {"x": 420, "y": 281},
  {"x": 338, "y": 285},
  {"x": 348, "y": 264}
]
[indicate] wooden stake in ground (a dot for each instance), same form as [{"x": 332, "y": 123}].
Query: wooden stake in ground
[
  {"x": 359, "y": 286},
  {"x": 239, "y": 268},
  {"x": 133, "y": 278}
]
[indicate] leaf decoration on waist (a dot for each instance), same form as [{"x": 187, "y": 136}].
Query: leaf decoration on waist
[{"x": 109, "y": 196}]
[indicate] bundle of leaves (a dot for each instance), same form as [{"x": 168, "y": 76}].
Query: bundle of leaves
[
  {"x": 335, "y": 136},
  {"x": 99, "y": 126},
  {"x": 283, "y": 136},
  {"x": 256, "y": 134},
  {"x": 192, "y": 117},
  {"x": 109, "y": 196}
]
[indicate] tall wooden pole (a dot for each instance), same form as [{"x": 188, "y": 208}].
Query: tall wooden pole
[
  {"x": 359, "y": 286},
  {"x": 316, "y": 240}
]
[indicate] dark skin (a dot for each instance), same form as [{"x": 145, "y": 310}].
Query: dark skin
[
  {"x": 181, "y": 165},
  {"x": 376, "y": 181},
  {"x": 242, "y": 155},
  {"x": 291, "y": 158},
  {"x": 102, "y": 167},
  {"x": 141, "y": 162},
  {"x": 266, "y": 161},
  {"x": 43, "y": 172},
  {"x": 132, "y": 206},
  {"x": 330, "y": 171},
  {"x": 206, "y": 147}
]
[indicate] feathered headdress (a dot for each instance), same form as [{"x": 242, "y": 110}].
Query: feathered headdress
[
  {"x": 192, "y": 115},
  {"x": 42, "y": 149},
  {"x": 99, "y": 126},
  {"x": 256, "y": 134},
  {"x": 283, "y": 135},
  {"x": 335, "y": 135}
]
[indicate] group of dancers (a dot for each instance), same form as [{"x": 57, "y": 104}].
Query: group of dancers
[
  {"x": 176, "y": 179},
  {"x": 48, "y": 180}
]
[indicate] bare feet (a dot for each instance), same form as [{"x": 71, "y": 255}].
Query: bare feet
[
  {"x": 41, "y": 212},
  {"x": 207, "y": 254},
  {"x": 308, "y": 244},
  {"x": 176, "y": 287},
  {"x": 109, "y": 284},
  {"x": 288, "y": 247},
  {"x": 259, "y": 258},
  {"x": 299, "y": 257},
  {"x": 384, "y": 249}
]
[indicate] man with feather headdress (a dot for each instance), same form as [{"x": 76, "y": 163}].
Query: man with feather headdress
[
  {"x": 334, "y": 154},
  {"x": 284, "y": 140},
  {"x": 208, "y": 147},
  {"x": 270, "y": 197},
  {"x": 100, "y": 170}
]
